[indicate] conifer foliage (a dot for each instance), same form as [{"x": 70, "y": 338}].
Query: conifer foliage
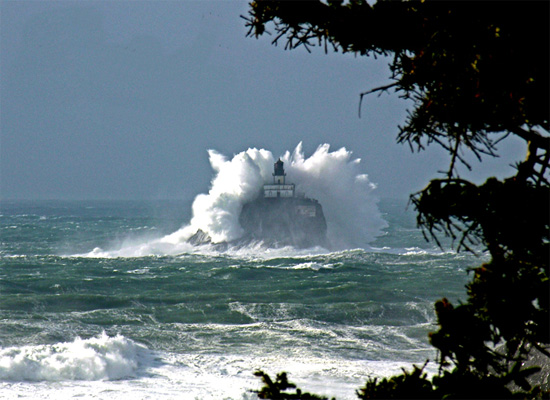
[{"x": 477, "y": 73}]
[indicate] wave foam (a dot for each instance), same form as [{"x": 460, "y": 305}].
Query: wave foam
[{"x": 100, "y": 358}]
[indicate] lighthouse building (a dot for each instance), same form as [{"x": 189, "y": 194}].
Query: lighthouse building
[{"x": 279, "y": 188}]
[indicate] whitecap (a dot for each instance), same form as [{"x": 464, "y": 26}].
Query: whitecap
[{"x": 99, "y": 358}]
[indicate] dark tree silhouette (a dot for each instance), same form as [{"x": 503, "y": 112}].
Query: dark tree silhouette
[{"x": 477, "y": 73}]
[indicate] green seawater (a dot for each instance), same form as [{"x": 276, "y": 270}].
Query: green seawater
[{"x": 348, "y": 307}]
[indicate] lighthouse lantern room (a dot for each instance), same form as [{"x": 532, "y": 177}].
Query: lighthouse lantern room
[{"x": 279, "y": 188}]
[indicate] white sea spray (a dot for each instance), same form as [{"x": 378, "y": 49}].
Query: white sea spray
[{"x": 336, "y": 179}]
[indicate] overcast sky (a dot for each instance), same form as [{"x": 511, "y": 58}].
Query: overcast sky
[{"x": 122, "y": 100}]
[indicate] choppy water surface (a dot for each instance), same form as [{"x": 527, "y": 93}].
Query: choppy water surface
[{"x": 80, "y": 317}]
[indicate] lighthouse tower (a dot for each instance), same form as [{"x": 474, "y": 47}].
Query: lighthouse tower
[
  {"x": 279, "y": 188},
  {"x": 279, "y": 173}
]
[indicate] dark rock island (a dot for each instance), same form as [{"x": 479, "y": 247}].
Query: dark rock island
[{"x": 281, "y": 218}]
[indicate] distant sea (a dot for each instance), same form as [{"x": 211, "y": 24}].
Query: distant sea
[{"x": 76, "y": 322}]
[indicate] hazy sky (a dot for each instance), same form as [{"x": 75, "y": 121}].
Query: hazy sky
[{"x": 122, "y": 99}]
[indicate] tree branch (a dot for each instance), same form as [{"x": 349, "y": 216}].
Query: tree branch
[{"x": 378, "y": 89}]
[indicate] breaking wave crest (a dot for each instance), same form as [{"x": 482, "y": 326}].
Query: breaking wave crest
[
  {"x": 100, "y": 358},
  {"x": 334, "y": 178}
]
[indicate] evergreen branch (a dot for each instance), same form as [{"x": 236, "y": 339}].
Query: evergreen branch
[{"x": 380, "y": 89}]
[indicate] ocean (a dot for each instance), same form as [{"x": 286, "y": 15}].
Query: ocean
[
  {"x": 81, "y": 321},
  {"x": 108, "y": 300}
]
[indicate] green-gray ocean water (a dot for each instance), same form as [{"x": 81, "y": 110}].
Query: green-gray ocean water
[{"x": 75, "y": 322}]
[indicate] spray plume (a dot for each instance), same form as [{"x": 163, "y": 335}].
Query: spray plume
[{"x": 334, "y": 178}]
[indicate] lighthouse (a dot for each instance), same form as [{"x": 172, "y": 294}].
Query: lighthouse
[{"x": 279, "y": 188}]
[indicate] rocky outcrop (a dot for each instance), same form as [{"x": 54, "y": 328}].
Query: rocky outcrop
[
  {"x": 294, "y": 221},
  {"x": 276, "y": 222}
]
